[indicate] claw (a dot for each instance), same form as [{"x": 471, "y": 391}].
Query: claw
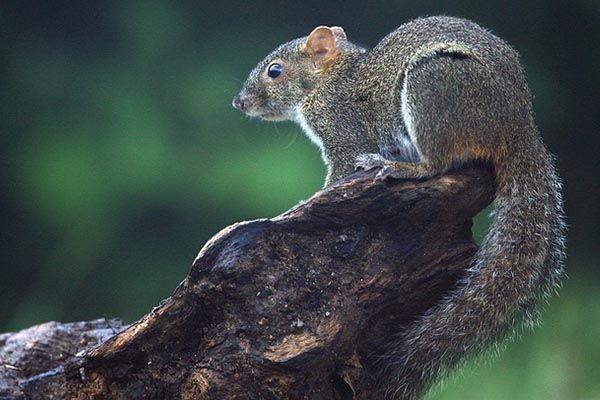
[
  {"x": 389, "y": 172},
  {"x": 369, "y": 161},
  {"x": 381, "y": 175}
]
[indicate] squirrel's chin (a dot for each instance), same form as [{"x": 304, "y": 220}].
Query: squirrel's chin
[
  {"x": 273, "y": 117},
  {"x": 267, "y": 116}
]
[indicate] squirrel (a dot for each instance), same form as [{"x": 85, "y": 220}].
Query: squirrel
[{"x": 436, "y": 93}]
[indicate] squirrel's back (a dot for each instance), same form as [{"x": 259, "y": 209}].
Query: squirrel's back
[
  {"x": 417, "y": 35},
  {"x": 422, "y": 38}
]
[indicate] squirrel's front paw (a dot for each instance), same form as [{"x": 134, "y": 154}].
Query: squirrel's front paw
[
  {"x": 389, "y": 171},
  {"x": 370, "y": 161}
]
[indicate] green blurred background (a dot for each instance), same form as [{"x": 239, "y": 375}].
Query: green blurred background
[{"x": 121, "y": 155}]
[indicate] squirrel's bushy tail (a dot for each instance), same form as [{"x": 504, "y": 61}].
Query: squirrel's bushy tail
[{"x": 520, "y": 261}]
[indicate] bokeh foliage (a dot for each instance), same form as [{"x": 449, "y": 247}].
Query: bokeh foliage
[{"x": 121, "y": 155}]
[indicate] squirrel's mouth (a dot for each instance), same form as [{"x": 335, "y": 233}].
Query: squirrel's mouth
[
  {"x": 264, "y": 111},
  {"x": 258, "y": 109}
]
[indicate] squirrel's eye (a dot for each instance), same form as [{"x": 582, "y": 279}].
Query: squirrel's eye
[{"x": 274, "y": 70}]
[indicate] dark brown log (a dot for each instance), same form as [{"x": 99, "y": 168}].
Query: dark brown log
[{"x": 293, "y": 307}]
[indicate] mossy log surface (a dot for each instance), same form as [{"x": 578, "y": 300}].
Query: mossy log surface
[{"x": 293, "y": 307}]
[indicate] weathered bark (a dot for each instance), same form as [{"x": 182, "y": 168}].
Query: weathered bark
[{"x": 293, "y": 307}]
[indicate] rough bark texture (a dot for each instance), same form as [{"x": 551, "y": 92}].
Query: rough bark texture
[{"x": 293, "y": 307}]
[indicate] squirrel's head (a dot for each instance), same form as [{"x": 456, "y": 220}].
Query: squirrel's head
[{"x": 283, "y": 80}]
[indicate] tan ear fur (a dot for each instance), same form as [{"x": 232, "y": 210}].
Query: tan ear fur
[{"x": 321, "y": 46}]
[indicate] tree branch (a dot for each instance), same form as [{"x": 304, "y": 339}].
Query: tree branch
[{"x": 293, "y": 307}]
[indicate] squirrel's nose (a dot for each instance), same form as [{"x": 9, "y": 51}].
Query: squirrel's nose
[{"x": 238, "y": 102}]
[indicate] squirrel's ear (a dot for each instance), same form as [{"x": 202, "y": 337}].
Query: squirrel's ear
[{"x": 321, "y": 46}]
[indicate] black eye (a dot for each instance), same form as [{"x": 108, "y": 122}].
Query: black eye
[{"x": 274, "y": 70}]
